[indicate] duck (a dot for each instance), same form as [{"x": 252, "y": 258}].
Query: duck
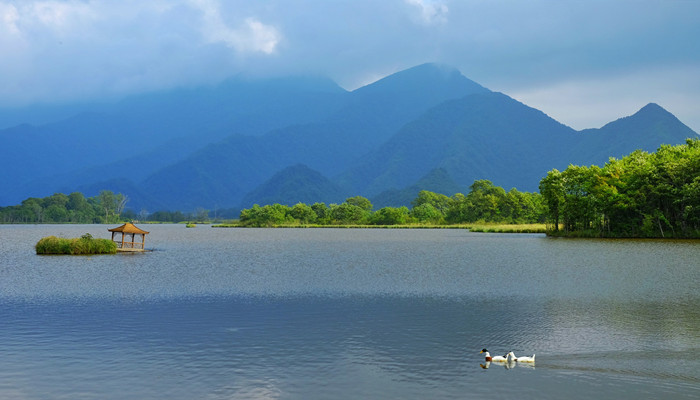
[
  {"x": 523, "y": 359},
  {"x": 493, "y": 359}
]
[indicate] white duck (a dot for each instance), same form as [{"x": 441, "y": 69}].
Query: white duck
[
  {"x": 493, "y": 359},
  {"x": 524, "y": 359}
]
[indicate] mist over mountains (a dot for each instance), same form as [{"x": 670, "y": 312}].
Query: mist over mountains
[{"x": 307, "y": 139}]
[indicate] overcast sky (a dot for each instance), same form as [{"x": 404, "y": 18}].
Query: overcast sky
[{"x": 585, "y": 63}]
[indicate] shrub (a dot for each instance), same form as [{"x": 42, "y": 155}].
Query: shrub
[{"x": 77, "y": 246}]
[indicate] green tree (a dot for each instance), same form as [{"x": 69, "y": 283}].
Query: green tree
[
  {"x": 438, "y": 201},
  {"x": 552, "y": 190},
  {"x": 268, "y": 215},
  {"x": 303, "y": 213},
  {"x": 347, "y": 213},
  {"x": 33, "y": 210},
  {"x": 426, "y": 212},
  {"x": 391, "y": 216},
  {"x": 484, "y": 201},
  {"x": 458, "y": 211},
  {"x": 323, "y": 213},
  {"x": 361, "y": 202},
  {"x": 55, "y": 213},
  {"x": 108, "y": 202}
]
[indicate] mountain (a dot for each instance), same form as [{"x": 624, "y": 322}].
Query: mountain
[
  {"x": 226, "y": 171},
  {"x": 492, "y": 136},
  {"x": 141, "y": 134},
  {"x": 437, "y": 180},
  {"x": 480, "y": 136},
  {"x": 137, "y": 199},
  {"x": 295, "y": 184},
  {"x": 249, "y": 141},
  {"x": 649, "y": 127}
]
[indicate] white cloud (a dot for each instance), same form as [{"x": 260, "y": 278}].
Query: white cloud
[
  {"x": 61, "y": 16},
  {"x": 430, "y": 11},
  {"x": 8, "y": 19},
  {"x": 251, "y": 36},
  {"x": 593, "y": 102}
]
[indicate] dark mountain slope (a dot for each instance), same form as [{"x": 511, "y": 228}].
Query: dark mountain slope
[
  {"x": 437, "y": 180},
  {"x": 374, "y": 113},
  {"x": 646, "y": 130},
  {"x": 392, "y": 101},
  {"x": 176, "y": 121},
  {"x": 137, "y": 200},
  {"x": 491, "y": 136},
  {"x": 483, "y": 136},
  {"x": 292, "y": 185}
]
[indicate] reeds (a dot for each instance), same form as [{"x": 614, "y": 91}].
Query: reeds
[{"x": 75, "y": 246}]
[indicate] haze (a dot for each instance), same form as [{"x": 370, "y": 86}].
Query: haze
[{"x": 584, "y": 63}]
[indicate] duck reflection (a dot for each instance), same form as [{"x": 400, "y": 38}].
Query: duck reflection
[{"x": 507, "y": 364}]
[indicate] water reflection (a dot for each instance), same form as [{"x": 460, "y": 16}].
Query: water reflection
[
  {"x": 348, "y": 314},
  {"x": 507, "y": 364}
]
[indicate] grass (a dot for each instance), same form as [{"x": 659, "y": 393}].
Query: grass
[
  {"x": 76, "y": 246},
  {"x": 509, "y": 228}
]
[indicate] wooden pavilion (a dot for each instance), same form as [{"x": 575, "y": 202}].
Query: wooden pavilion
[{"x": 126, "y": 230}]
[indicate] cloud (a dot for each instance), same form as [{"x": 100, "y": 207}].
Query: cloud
[
  {"x": 545, "y": 53},
  {"x": 8, "y": 20},
  {"x": 430, "y": 12},
  {"x": 251, "y": 36},
  {"x": 593, "y": 102},
  {"x": 57, "y": 51}
]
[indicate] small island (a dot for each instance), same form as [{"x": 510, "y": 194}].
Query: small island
[{"x": 83, "y": 245}]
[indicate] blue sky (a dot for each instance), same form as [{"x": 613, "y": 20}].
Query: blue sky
[{"x": 585, "y": 63}]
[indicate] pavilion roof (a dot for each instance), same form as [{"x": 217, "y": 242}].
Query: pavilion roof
[{"x": 128, "y": 228}]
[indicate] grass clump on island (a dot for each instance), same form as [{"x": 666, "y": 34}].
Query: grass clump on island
[{"x": 83, "y": 245}]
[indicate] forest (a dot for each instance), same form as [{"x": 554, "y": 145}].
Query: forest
[
  {"x": 484, "y": 203},
  {"x": 640, "y": 195},
  {"x": 106, "y": 207}
]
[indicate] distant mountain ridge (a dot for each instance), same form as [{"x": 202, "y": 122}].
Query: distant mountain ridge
[
  {"x": 295, "y": 184},
  {"x": 248, "y": 141}
]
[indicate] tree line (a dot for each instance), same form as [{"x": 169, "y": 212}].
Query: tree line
[
  {"x": 640, "y": 195},
  {"x": 106, "y": 207},
  {"x": 484, "y": 202}
]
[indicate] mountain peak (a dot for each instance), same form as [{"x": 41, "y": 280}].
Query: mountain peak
[
  {"x": 425, "y": 77},
  {"x": 650, "y": 115},
  {"x": 653, "y": 109}
]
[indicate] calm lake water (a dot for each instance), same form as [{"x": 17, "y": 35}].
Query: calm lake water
[{"x": 347, "y": 314}]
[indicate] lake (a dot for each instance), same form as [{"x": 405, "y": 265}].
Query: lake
[{"x": 347, "y": 314}]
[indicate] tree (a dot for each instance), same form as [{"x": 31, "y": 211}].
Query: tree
[
  {"x": 268, "y": 215},
  {"x": 303, "y": 213},
  {"x": 438, "y": 201},
  {"x": 552, "y": 190},
  {"x": 361, "y": 202},
  {"x": 108, "y": 202},
  {"x": 322, "y": 212},
  {"x": 347, "y": 213},
  {"x": 458, "y": 210},
  {"x": 484, "y": 201},
  {"x": 201, "y": 214},
  {"x": 391, "y": 216},
  {"x": 426, "y": 212},
  {"x": 642, "y": 194}
]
